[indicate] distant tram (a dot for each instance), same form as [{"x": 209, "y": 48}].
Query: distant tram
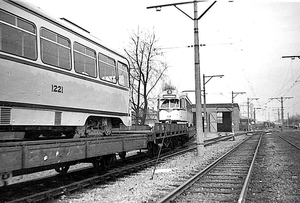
[{"x": 174, "y": 107}]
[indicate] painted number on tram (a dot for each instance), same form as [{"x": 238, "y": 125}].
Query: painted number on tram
[{"x": 57, "y": 88}]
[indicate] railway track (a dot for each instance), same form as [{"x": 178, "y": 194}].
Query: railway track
[
  {"x": 226, "y": 179},
  {"x": 276, "y": 177},
  {"x": 55, "y": 186},
  {"x": 292, "y": 139}
]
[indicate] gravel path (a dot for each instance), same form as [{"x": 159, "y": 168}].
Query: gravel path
[{"x": 140, "y": 188}]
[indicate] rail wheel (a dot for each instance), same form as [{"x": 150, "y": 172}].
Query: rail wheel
[
  {"x": 173, "y": 144},
  {"x": 153, "y": 148},
  {"x": 62, "y": 169},
  {"x": 122, "y": 155},
  {"x": 4, "y": 178},
  {"x": 108, "y": 160},
  {"x": 101, "y": 164},
  {"x": 98, "y": 165}
]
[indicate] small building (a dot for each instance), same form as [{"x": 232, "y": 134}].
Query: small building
[{"x": 222, "y": 117}]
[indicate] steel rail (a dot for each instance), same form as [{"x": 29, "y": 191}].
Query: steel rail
[
  {"x": 290, "y": 142},
  {"x": 243, "y": 193},
  {"x": 171, "y": 196}
]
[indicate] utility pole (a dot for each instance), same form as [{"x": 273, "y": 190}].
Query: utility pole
[
  {"x": 255, "y": 115},
  {"x": 199, "y": 126},
  {"x": 233, "y": 95},
  {"x": 288, "y": 118},
  {"x": 281, "y": 100},
  {"x": 248, "y": 106},
  {"x": 204, "y": 98}
]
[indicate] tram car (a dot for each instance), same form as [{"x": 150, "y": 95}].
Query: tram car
[
  {"x": 56, "y": 79},
  {"x": 58, "y": 82},
  {"x": 174, "y": 107}
]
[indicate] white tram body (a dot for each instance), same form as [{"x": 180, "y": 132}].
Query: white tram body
[
  {"x": 55, "y": 76},
  {"x": 174, "y": 107}
]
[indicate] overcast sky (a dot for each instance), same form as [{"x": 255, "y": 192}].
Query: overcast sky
[{"x": 245, "y": 41}]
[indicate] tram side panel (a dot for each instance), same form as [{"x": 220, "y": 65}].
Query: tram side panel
[{"x": 40, "y": 87}]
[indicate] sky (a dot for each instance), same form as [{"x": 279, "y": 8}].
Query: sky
[{"x": 245, "y": 41}]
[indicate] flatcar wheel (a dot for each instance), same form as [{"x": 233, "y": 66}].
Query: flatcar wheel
[
  {"x": 62, "y": 169},
  {"x": 98, "y": 166},
  {"x": 155, "y": 149},
  {"x": 122, "y": 155},
  {"x": 173, "y": 144},
  {"x": 108, "y": 160}
]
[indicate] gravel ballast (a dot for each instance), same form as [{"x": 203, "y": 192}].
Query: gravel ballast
[
  {"x": 139, "y": 187},
  {"x": 276, "y": 172}
]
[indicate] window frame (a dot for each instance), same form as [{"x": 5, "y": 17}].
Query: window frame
[
  {"x": 85, "y": 55},
  {"x": 58, "y": 44},
  {"x": 118, "y": 75},
  {"x": 15, "y": 26},
  {"x": 114, "y": 67}
]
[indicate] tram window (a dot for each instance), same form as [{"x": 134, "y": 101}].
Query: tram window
[
  {"x": 5, "y": 17},
  {"x": 26, "y": 26},
  {"x": 164, "y": 103},
  {"x": 56, "y": 49},
  {"x": 174, "y": 103},
  {"x": 182, "y": 103},
  {"x": 123, "y": 74},
  {"x": 84, "y": 60},
  {"x": 107, "y": 68},
  {"x": 17, "y": 36}
]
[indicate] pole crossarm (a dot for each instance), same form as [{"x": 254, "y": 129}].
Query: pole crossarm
[
  {"x": 281, "y": 99},
  {"x": 158, "y": 8},
  {"x": 184, "y": 12},
  {"x": 173, "y": 4},
  {"x": 251, "y": 99},
  {"x": 206, "y": 10},
  {"x": 292, "y": 57},
  {"x": 235, "y": 94},
  {"x": 210, "y": 77}
]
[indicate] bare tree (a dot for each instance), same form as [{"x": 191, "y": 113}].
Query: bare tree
[
  {"x": 168, "y": 86},
  {"x": 146, "y": 70}
]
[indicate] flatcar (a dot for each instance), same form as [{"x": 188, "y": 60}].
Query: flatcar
[
  {"x": 174, "y": 107},
  {"x": 56, "y": 79}
]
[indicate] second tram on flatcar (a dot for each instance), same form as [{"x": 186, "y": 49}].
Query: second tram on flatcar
[{"x": 174, "y": 107}]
